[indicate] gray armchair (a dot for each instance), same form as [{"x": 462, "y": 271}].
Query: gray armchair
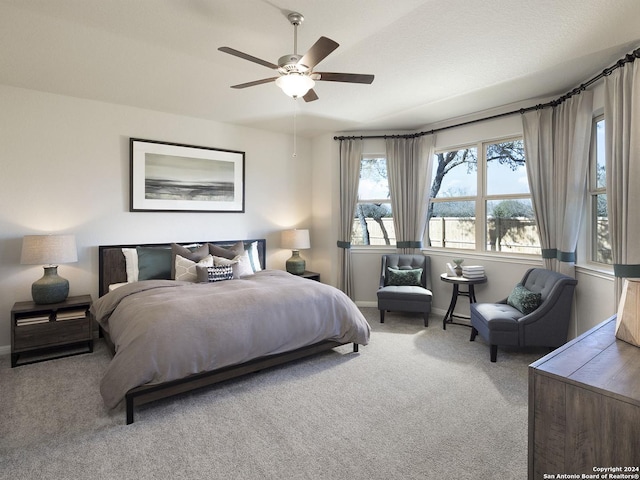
[
  {"x": 546, "y": 326},
  {"x": 402, "y": 289}
]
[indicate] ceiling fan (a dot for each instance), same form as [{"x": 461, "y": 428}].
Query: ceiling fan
[{"x": 296, "y": 76}]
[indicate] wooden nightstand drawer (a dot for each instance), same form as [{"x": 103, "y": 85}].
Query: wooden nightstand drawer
[
  {"x": 52, "y": 333},
  {"x": 38, "y": 330}
]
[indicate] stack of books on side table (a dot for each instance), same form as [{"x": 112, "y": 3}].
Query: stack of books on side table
[
  {"x": 473, "y": 271},
  {"x": 32, "y": 320},
  {"x": 71, "y": 314}
]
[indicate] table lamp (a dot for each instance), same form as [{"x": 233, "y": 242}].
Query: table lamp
[
  {"x": 49, "y": 250},
  {"x": 295, "y": 240}
]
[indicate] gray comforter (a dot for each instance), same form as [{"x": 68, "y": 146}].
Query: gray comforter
[{"x": 164, "y": 330}]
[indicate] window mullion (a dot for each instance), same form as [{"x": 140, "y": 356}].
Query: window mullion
[{"x": 481, "y": 204}]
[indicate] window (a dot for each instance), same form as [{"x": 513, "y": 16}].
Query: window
[
  {"x": 599, "y": 220},
  {"x": 452, "y": 211},
  {"x": 482, "y": 202},
  {"x": 373, "y": 222}
]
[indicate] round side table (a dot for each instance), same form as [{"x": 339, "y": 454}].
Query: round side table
[{"x": 470, "y": 292}]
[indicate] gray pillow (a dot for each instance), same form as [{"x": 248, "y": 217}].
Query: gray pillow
[
  {"x": 194, "y": 253},
  {"x": 226, "y": 252},
  {"x": 404, "y": 278},
  {"x": 524, "y": 299}
]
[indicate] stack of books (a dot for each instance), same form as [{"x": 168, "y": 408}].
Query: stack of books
[
  {"x": 71, "y": 314},
  {"x": 473, "y": 271},
  {"x": 32, "y": 320}
]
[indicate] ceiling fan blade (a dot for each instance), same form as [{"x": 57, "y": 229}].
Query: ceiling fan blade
[
  {"x": 344, "y": 77},
  {"x": 310, "y": 96},
  {"x": 254, "y": 83},
  {"x": 318, "y": 52},
  {"x": 246, "y": 56}
]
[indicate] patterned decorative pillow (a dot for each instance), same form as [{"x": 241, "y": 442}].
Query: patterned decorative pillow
[
  {"x": 404, "y": 278},
  {"x": 524, "y": 300},
  {"x": 194, "y": 252},
  {"x": 214, "y": 274},
  {"x": 186, "y": 270}
]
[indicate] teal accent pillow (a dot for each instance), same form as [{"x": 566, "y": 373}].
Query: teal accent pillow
[
  {"x": 404, "y": 278},
  {"x": 154, "y": 263},
  {"x": 524, "y": 300}
]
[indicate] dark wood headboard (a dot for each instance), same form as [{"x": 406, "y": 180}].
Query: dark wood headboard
[{"x": 112, "y": 267}]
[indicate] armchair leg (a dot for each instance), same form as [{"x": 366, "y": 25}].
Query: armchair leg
[
  {"x": 494, "y": 353},
  {"x": 426, "y": 319},
  {"x": 381, "y": 316},
  {"x": 474, "y": 333}
]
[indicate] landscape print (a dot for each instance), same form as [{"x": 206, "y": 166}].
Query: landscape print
[
  {"x": 171, "y": 177},
  {"x": 183, "y": 178}
]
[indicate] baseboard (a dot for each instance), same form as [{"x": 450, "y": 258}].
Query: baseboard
[
  {"x": 367, "y": 304},
  {"x": 5, "y": 349},
  {"x": 435, "y": 311}
]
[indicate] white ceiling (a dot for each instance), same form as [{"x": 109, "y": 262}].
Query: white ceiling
[{"x": 432, "y": 59}]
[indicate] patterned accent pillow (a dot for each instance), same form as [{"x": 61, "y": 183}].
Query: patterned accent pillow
[
  {"x": 186, "y": 270},
  {"x": 524, "y": 300},
  {"x": 214, "y": 274},
  {"x": 404, "y": 278}
]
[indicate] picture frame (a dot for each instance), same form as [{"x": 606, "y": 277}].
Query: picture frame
[{"x": 173, "y": 177}]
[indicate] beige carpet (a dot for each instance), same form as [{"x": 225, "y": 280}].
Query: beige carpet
[{"x": 415, "y": 403}]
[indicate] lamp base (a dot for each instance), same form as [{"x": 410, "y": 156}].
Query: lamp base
[
  {"x": 296, "y": 264},
  {"x": 50, "y": 288},
  {"x": 628, "y": 319}
]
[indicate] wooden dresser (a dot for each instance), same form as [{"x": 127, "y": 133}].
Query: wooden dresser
[{"x": 584, "y": 407}]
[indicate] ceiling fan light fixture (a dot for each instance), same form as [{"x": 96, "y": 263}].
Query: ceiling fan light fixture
[{"x": 295, "y": 84}]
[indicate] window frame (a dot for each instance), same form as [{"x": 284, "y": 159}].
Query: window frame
[
  {"x": 592, "y": 194},
  {"x": 482, "y": 197}
]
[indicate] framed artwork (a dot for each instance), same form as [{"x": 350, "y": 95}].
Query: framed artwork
[{"x": 170, "y": 177}]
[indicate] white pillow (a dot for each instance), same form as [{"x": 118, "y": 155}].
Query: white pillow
[
  {"x": 186, "y": 269},
  {"x": 241, "y": 264},
  {"x": 113, "y": 286},
  {"x": 254, "y": 257},
  {"x": 131, "y": 258}
]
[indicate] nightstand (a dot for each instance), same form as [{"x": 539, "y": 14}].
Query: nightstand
[
  {"x": 46, "y": 329},
  {"x": 311, "y": 275}
]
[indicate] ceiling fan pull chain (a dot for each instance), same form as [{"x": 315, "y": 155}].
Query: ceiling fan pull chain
[{"x": 295, "y": 111}]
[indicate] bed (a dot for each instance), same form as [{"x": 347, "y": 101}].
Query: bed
[{"x": 171, "y": 336}]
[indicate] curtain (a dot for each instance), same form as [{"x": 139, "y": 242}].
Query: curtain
[
  {"x": 557, "y": 151},
  {"x": 350, "y": 157},
  {"x": 409, "y": 165},
  {"x": 622, "y": 157}
]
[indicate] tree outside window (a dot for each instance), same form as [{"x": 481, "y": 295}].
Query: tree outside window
[
  {"x": 373, "y": 223},
  {"x": 599, "y": 225}
]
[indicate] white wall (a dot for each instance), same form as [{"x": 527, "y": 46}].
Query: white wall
[{"x": 65, "y": 169}]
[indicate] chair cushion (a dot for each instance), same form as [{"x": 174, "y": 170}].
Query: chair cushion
[
  {"x": 405, "y": 293},
  {"x": 404, "y": 277},
  {"x": 524, "y": 300},
  {"x": 496, "y": 316}
]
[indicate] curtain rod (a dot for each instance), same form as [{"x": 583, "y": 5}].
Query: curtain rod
[{"x": 629, "y": 58}]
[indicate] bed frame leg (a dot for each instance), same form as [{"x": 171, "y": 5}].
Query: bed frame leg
[
  {"x": 129, "y": 405},
  {"x": 355, "y": 348}
]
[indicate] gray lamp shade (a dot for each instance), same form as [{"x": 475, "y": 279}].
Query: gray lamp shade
[
  {"x": 295, "y": 240},
  {"x": 49, "y": 250}
]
